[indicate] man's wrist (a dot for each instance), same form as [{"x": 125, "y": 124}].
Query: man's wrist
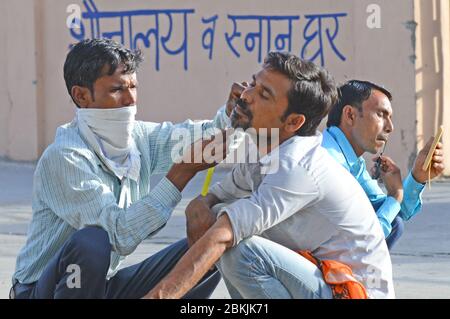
[
  {"x": 411, "y": 187},
  {"x": 418, "y": 180},
  {"x": 397, "y": 195},
  {"x": 180, "y": 175}
]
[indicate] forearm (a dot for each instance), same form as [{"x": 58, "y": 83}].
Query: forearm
[
  {"x": 196, "y": 262},
  {"x": 127, "y": 228}
]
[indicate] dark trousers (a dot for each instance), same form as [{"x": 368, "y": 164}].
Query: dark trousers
[
  {"x": 396, "y": 232},
  {"x": 79, "y": 270}
]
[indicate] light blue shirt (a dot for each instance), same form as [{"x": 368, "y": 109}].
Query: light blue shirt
[
  {"x": 386, "y": 207},
  {"x": 73, "y": 189}
]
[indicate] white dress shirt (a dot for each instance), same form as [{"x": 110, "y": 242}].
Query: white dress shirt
[{"x": 310, "y": 203}]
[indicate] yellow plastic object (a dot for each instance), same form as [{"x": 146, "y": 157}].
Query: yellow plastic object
[{"x": 207, "y": 182}]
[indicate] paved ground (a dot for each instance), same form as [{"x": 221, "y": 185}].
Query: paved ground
[{"x": 421, "y": 259}]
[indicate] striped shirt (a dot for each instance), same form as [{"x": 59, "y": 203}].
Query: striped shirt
[{"x": 73, "y": 189}]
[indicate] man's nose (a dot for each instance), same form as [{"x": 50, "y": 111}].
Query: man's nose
[
  {"x": 389, "y": 126},
  {"x": 129, "y": 97}
]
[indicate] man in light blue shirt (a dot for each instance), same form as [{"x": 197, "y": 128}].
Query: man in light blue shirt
[
  {"x": 92, "y": 199},
  {"x": 361, "y": 122}
]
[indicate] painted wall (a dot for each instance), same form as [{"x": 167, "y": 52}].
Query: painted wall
[
  {"x": 18, "y": 83},
  {"x": 433, "y": 71},
  {"x": 194, "y": 50}
]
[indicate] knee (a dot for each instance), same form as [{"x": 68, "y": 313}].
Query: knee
[
  {"x": 90, "y": 237},
  {"x": 181, "y": 245},
  {"x": 241, "y": 257},
  {"x": 90, "y": 245},
  {"x": 397, "y": 231},
  {"x": 398, "y": 226}
]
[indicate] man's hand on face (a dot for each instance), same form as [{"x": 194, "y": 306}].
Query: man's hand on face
[
  {"x": 201, "y": 155},
  {"x": 437, "y": 162},
  {"x": 391, "y": 176},
  {"x": 235, "y": 94}
]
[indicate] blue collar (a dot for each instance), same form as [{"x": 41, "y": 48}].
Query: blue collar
[{"x": 345, "y": 146}]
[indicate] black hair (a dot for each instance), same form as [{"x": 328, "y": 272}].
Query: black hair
[
  {"x": 91, "y": 59},
  {"x": 313, "y": 89},
  {"x": 353, "y": 93}
]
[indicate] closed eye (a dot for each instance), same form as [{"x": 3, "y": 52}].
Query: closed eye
[{"x": 264, "y": 94}]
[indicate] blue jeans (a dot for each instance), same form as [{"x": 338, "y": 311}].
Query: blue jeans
[
  {"x": 396, "y": 232},
  {"x": 90, "y": 250},
  {"x": 260, "y": 268}
]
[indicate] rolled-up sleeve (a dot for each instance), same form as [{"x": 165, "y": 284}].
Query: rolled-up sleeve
[{"x": 234, "y": 186}]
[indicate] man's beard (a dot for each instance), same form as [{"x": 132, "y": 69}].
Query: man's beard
[{"x": 239, "y": 121}]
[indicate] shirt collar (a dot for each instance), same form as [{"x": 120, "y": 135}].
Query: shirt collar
[
  {"x": 300, "y": 145},
  {"x": 345, "y": 146}
]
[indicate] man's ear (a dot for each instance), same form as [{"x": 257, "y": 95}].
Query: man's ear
[
  {"x": 348, "y": 115},
  {"x": 82, "y": 96},
  {"x": 294, "y": 122}
]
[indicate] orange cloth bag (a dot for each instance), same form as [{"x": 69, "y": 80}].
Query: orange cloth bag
[{"x": 339, "y": 277}]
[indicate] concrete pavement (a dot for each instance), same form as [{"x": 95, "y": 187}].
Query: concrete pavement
[{"x": 421, "y": 259}]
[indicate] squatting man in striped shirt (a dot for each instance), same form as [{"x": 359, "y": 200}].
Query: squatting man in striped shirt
[
  {"x": 252, "y": 225},
  {"x": 92, "y": 200}
]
